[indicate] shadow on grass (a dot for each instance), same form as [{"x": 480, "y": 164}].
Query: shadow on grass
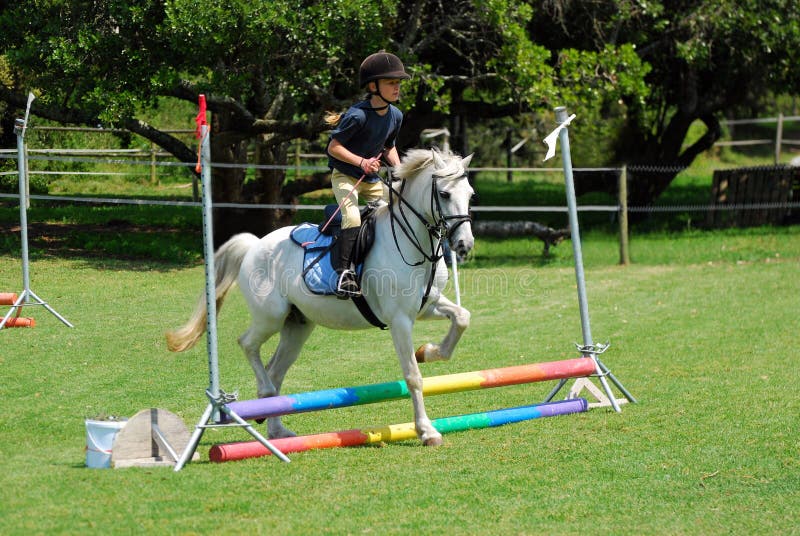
[
  {"x": 116, "y": 245},
  {"x": 535, "y": 259},
  {"x": 492, "y": 252}
]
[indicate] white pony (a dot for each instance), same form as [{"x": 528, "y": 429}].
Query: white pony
[{"x": 428, "y": 203}]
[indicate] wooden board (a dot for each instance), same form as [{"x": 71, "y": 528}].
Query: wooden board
[
  {"x": 137, "y": 446},
  {"x": 585, "y": 384}
]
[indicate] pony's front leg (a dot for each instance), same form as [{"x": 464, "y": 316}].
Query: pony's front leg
[
  {"x": 459, "y": 322},
  {"x": 401, "y": 336}
]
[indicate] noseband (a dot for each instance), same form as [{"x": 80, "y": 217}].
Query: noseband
[{"x": 446, "y": 225}]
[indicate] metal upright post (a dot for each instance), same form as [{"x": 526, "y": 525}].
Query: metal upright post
[
  {"x": 561, "y": 116},
  {"x": 210, "y": 270},
  {"x": 22, "y": 166},
  {"x": 589, "y": 349},
  {"x": 624, "y": 249},
  {"x": 27, "y": 296},
  {"x": 778, "y": 138},
  {"x": 217, "y": 399}
]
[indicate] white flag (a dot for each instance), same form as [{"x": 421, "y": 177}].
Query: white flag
[
  {"x": 31, "y": 96},
  {"x": 550, "y": 140}
]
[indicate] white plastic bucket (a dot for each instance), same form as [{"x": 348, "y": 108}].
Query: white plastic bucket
[{"x": 99, "y": 440}]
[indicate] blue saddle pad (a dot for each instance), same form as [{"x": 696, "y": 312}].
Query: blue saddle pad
[{"x": 318, "y": 272}]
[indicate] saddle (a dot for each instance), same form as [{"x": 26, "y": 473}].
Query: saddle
[{"x": 320, "y": 246}]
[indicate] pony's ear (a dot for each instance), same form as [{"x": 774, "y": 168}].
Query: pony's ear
[
  {"x": 466, "y": 160},
  {"x": 438, "y": 161}
]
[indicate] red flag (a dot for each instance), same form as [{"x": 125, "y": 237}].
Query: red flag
[
  {"x": 201, "y": 121},
  {"x": 201, "y": 116}
]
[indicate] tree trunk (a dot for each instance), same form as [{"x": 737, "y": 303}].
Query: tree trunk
[
  {"x": 8, "y": 140},
  {"x": 267, "y": 187},
  {"x": 420, "y": 117},
  {"x": 232, "y": 185},
  {"x": 226, "y": 182},
  {"x": 653, "y": 161},
  {"x": 505, "y": 229}
]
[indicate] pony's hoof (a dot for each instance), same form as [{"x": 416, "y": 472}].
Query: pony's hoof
[
  {"x": 434, "y": 442},
  {"x": 281, "y": 434},
  {"x": 420, "y": 354}
]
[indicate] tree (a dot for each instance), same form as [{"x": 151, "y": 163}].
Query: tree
[
  {"x": 708, "y": 59},
  {"x": 268, "y": 71},
  {"x": 271, "y": 69},
  {"x": 7, "y": 137}
]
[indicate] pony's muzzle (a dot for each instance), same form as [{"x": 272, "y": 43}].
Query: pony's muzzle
[{"x": 462, "y": 247}]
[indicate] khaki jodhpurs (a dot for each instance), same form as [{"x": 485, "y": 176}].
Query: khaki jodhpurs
[{"x": 342, "y": 185}]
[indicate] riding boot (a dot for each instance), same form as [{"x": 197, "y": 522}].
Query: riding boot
[{"x": 347, "y": 285}]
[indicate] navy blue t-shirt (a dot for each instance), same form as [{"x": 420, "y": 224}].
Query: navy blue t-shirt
[{"x": 365, "y": 133}]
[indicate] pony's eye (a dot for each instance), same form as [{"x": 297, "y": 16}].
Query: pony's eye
[{"x": 444, "y": 195}]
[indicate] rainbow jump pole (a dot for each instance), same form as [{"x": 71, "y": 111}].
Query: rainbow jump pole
[
  {"x": 27, "y": 296},
  {"x": 589, "y": 349},
  {"x": 263, "y": 408},
  {"x": 396, "y": 432}
]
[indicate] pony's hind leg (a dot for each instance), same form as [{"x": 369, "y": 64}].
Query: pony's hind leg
[
  {"x": 459, "y": 322},
  {"x": 251, "y": 341},
  {"x": 294, "y": 334}
]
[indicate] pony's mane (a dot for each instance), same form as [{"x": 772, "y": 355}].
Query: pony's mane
[{"x": 415, "y": 160}]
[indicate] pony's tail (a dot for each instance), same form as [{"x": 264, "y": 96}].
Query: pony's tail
[{"x": 228, "y": 261}]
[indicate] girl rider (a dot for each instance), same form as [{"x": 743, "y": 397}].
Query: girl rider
[{"x": 363, "y": 135}]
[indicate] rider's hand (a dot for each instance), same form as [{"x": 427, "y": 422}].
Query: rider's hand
[{"x": 370, "y": 165}]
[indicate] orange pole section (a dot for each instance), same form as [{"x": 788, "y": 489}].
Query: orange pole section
[{"x": 8, "y": 298}]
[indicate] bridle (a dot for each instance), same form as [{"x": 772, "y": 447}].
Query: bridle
[{"x": 442, "y": 227}]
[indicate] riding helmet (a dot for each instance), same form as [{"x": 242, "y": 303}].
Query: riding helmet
[{"x": 381, "y": 65}]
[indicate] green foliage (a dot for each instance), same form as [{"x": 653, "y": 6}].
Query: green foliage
[
  {"x": 238, "y": 46},
  {"x": 257, "y": 55},
  {"x": 594, "y": 79},
  {"x": 128, "y": 53},
  {"x": 698, "y": 60},
  {"x": 100, "y": 64},
  {"x": 524, "y": 63},
  {"x": 637, "y": 73},
  {"x": 10, "y": 184}
]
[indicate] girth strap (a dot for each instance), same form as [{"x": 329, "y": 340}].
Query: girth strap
[{"x": 366, "y": 311}]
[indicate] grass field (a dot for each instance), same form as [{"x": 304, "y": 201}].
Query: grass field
[{"x": 702, "y": 329}]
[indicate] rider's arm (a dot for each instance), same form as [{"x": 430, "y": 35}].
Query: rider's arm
[
  {"x": 392, "y": 157},
  {"x": 340, "y": 152}
]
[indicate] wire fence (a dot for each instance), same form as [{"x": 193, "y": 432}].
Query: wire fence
[
  {"x": 618, "y": 211},
  {"x": 154, "y": 159},
  {"x": 611, "y": 208}
]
